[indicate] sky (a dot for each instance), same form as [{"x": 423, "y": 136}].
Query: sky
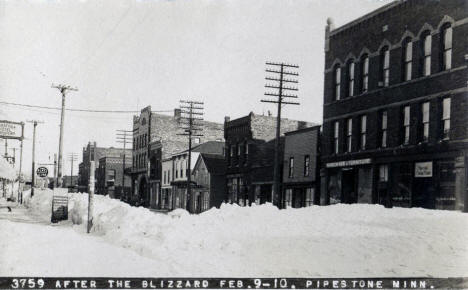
[{"x": 126, "y": 55}]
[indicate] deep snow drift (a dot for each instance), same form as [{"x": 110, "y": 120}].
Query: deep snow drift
[{"x": 331, "y": 241}]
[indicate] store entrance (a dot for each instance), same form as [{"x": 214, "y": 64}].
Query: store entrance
[{"x": 348, "y": 185}]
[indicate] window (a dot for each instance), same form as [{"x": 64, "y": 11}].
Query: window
[
  {"x": 164, "y": 177},
  {"x": 383, "y": 135},
  {"x": 363, "y": 132},
  {"x": 306, "y": 165},
  {"x": 446, "y": 47},
  {"x": 365, "y": 73},
  {"x": 288, "y": 198},
  {"x": 337, "y": 82},
  {"x": 111, "y": 175},
  {"x": 176, "y": 169},
  {"x": 349, "y": 135},
  {"x": 196, "y": 140},
  {"x": 168, "y": 176},
  {"x": 385, "y": 66},
  {"x": 425, "y": 121},
  {"x": 291, "y": 167},
  {"x": 407, "y": 59},
  {"x": 309, "y": 198},
  {"x": 246, "y": 151},
  {"x": 239, "y": 149},
  {"x": 446, "y": 118},
  {"x": 336, "y": 138},
  {"x": 182, "y": 168},
  {"x": 350, "y": 79},
  {"x": 406, "y": 125},
  {"x": 383, "y": 173},
  {"x": 426, "y": 53},
  {"x": 232, "y": 150}
]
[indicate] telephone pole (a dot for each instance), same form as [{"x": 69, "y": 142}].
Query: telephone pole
[
  {"x": 281, "y": 75},
  {"x": 63, "y": 90},
  {"x": 72, "y": 157},
  {"x": 190, "y": 121},
  {"x": 33, "y": 169},
  {"x": 125, "y": 137}
]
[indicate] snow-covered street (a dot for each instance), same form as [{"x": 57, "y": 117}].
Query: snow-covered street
[{"x": 232, "y": 241}]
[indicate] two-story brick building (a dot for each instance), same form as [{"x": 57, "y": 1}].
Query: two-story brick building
[
  {"x": 250, "y": 142},
  {"x": 148, "y": 128},
  {"x": 110, "y": 178},
  {"x": 301, "y": 179},
  {"x": 395, "y": 106}
]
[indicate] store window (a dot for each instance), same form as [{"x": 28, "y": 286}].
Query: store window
[
  {"x": 383, "y": 173},
  {"x": 309, "y": 196},
  {"x": 288, "y": 198}
]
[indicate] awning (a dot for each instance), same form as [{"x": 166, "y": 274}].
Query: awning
[{"x": 6, "y": 170}]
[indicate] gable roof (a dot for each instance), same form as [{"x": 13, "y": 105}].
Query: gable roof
[{"x": 214, "y": 163}]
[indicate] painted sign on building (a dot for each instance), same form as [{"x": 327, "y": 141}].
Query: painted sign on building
[
  {"x": 349, "y": 163},
  {"x": 11, "y": 130},
  {"x": 423, "y": 169}
]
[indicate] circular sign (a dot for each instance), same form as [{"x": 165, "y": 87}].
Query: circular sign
[{"x": 42, "y": 171}]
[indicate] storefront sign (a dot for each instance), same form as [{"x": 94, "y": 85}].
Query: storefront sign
[
  {"x": 423, "y": 169},
  {"x": 11, "y": 130},
  {"x": 349, "y": 163}
]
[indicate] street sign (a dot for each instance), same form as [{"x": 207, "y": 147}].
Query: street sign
[{"x": 42, "y": 171}]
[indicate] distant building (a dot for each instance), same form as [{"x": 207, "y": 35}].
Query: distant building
[
  {"x": 250, "y": 142},
  {"x": 93, "y": 153},
  {"x": 301, "y": 179},
  {"x": 68, "y": 181},
  {"x": 209, "y": 177},
  {"x": 395, "y": 107},
  {"x": 109, "y": 176},
  {"x": 148, "y": 128}
]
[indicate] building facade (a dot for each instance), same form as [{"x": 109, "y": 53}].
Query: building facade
[
  {"x": 93, "y": 153},
  {"x": 149, "y": 128},
  {"x": 110, "y": 178},
  {"x": 250, "y": 147},
  {"x": 301, "y": 179},
  {"x": 395, "y": 99}
]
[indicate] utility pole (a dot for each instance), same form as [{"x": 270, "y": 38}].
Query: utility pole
[
  {"x": 33, "y": 169},
  {"x": 278, "y": 74},
  {"x": 72, "y": 157},
  {"x": 191, "y": 124},
  {"x": 122, "y": 136},
  {"x": 91, "y": 197},
  {"x": 63, "y": 90},
  {"x": 20, "y": 179}
]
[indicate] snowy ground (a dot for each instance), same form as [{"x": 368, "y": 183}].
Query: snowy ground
[{"x": 333, "y": 241}]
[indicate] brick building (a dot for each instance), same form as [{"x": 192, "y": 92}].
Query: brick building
[
  {"x": 93, "y": 153},
  {"x": 395, "y": 99},
  {"x": 109, "y": 176},
  {"x": 301, "y": 179},
  {"x": 150, "y": 127},
  {"x": 250, "y": 142}
]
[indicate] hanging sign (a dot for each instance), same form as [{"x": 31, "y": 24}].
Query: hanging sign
[
  {"x": 11, "y": 130},
  {"x": 42, "y": 171},
  {"x": 423, "y": 169}
]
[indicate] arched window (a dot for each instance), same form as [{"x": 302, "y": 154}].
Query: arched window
[
  {"x": 350, "y": 78},
  {"x": 385, "y": 66},
  {"x": 446, "y": 46},
  {"x": 337, "y": 82},
  {"x": 407, "y": 59},
  {"x": 426, "y": 43},
  {"x": 364, "y": 73}
]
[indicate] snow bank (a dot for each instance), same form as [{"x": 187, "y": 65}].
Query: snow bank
[
  {"x": 6, "y": 170},
  {"x": 339, "y": 240}
]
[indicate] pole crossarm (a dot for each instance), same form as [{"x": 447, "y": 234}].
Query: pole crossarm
[
  {"x": 281, "y": 96},
  {"x": 282, "y": 73},
  {"x": 284, "y": 88},
  {"x": 282, "y": 64}
]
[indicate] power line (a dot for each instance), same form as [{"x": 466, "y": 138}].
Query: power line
[{"x": 77, "y": 110}]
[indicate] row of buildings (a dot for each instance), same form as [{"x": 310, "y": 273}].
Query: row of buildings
[{"x": 394, "y": 128}]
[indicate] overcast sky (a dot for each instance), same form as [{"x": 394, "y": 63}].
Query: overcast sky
[{"x": 125, "y": 55}]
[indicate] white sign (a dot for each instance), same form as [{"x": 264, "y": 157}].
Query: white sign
[
  {"x": 10, "y": 130},
  {"x": 423, "y": 169},
  {"x": 349, "y": 163}
]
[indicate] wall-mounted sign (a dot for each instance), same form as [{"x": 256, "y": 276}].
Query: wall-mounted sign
[
  {"x": 423, "y": 169},
  {"x": 11, "y": 130},
  {"x": 349, "y": 163}
]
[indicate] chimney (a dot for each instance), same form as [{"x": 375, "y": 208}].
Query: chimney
[
  {"x": 330, "y": 26},
  {"x": 227, "y": 119},
  {"x": 177, "y": 113}
]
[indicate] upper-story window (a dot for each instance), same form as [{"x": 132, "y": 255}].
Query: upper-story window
[
  {"x": 350, "y": 79},
  {"x": 363, "y": 132},
  {"x": 446, "y": 46},
  {"x": 407, "y": 59},
  {"x": 246, "y": 151},
  {"x": 446, "y": 118},
  {"x": 364, "y": 73},
  {"x": 336, "y": 137},
  {"x": 385, "y": 66},
  {"x": 306, "y": 165},
  {"x": 239, "y": 145},
  {"x": 291, "y": 167},
  {"x": 425, "y": 121},
  {"x": 176, "y": 169},
  {"x": 426, "y": 41},
  {"x": 383, "y": 132},
  {"x": 349, "y": 134},
  {"x": 337, "y": 81},
  {"x": 406, "y": 125}
]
